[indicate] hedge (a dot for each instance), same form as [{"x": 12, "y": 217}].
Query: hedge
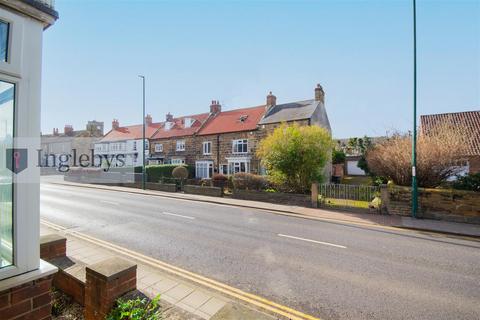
[{"x": 156, "y": 172}]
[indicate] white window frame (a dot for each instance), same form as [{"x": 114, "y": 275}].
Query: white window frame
[
  {"x": 204, "y": 167},
  {"x": 180, "y": 146},
  {"x": 207, "y": 147},
  {"x": 159, "y": 147},
  {"x": 223, "y": 169},
  {"x": 236, "y": 143},
  {"x": 234, "y": 163},
  {"x": 177, "y": 161}
]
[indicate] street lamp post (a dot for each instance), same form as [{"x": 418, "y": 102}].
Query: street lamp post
[
  {"x": 414, "y": 136},
  {"x": 143, "y": 131}
]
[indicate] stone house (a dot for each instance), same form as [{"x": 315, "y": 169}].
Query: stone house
[
  {"x": 82, "y": 141},
  {"x": 231, "y": 137},
  {"x": 469, "y": 122},
  {"x": 174, "y": 141}
]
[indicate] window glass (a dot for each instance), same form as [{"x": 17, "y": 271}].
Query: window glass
[
  {"x": 159, "y": 147},
  {"x": 240, "y": 146},
  {"x": 7, "y": 94},
  {"x": 4, "y": 29},
  {"x": 207, "y": 147},
  {"x": 181, "y": 145}
]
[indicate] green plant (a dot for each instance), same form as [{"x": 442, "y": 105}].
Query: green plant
[
  {"x": 338, "y": 156},
  {"x": 249, "y": 181},
  {"x": 136, "y": 309},
  {"x": 295, "y": 156},
  {"x": 156, "y": 172},
  {"x": 469, "y": 182},
  {"x": 180, "y": 172}
]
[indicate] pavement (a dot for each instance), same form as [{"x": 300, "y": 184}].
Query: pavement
[
  {"x": 184, "y": 300},
  {"x": 456, "y": 228},
  {"x": 320, "y": 266}
]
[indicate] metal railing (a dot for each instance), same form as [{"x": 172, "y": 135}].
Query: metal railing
[{"x": 348, "y": 196}]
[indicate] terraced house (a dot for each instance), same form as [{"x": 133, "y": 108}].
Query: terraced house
[{"x": 226, "y": 141}]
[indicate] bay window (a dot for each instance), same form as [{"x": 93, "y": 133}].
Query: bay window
[{"x": 204, "y": 169}]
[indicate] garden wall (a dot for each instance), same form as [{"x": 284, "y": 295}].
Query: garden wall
[
  {"x": 303, "y": 200},
  {"x": 439, "y": 204},
  {"x": 205, "y": 191}
]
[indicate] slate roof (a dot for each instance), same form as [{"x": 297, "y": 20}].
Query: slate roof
[
  {"x": 291, "y": 111},
  {"x": 470, "y": 120},
  {"x": 237, "y": 120},
  {"x": 179, "y": 129}
]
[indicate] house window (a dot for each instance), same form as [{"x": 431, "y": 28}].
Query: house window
[
  {"x": 180, "y": 145},
  {"x": 238, "y": 166},
  {"x": 159, "y": 147},
  {"x": 240, "y": 146},
  {"x": 7, "y": 244},
  {"x": 4, "y": 32},
  {"x": 207, "y": 147},
  {"x": 204, "y": 169},
  {"x": 177, "y": 161},
  {"x": 224, "y": 169}
]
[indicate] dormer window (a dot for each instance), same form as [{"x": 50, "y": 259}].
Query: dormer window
[
  {"x": 168, "y": 125},
  {"x": 188, "y": 122}
]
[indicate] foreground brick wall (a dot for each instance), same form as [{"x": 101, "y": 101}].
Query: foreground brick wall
[
  {"x": 440, "y": 204},
  {"x": 30, "y": 301}
]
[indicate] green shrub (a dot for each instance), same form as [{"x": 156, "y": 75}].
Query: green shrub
[
  {"x": 180, "y": 172},
  {"x": 248, "y": 181},
  {"x": 156, "y": 172},
  {"x": 469, "y": 182},
  {"x": 136, "y": 309},
  {"x": 338, "y": 156}
]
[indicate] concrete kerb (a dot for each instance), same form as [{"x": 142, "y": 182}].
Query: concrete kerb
[{"x": 270, "y": 209}]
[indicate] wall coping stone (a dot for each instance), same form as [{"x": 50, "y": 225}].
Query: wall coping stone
[
  {"x": 46, "y": 269},
  {"x": 111, "y": 268},
  {"x": 52, "y": 238}
]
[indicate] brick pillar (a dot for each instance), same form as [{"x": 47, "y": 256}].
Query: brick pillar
[
  {"x": 385, "y": 197},
  {"x": 314, "y": 195},
  {"x": 52, "y": 246},
  {"x": 31, "y": 300},
  {"x": 106, "y": 281}
]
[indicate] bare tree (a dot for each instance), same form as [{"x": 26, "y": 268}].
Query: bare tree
[{"x": 439, "y": 153}]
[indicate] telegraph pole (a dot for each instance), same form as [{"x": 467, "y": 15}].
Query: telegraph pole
[
  {"x": 414, "y": 136},
  {"x": 143, "y": 140}
]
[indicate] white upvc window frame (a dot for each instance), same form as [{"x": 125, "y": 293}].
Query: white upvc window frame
[
  {"x": 223, "y": 168},
  {"x": 180, "y": 145},
  {"x": 159, "y": 147},
  {"x": 204, "y": 166},
  {"x": 234, "y": 163},
  {"x": 177, "y": 161},
  {"x": 236, "y": 143},
  {"x": 207, "y": 148},
  {"x": 26, "y": 191}
]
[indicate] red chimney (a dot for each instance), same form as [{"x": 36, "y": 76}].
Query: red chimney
[
  {"x": 148, "y": 120},
  {"x": 215, "y": 107},
  {"x": 115, "y": 124},
  {"x": 319, "y": 93},
  {"x": 68, "y": 130}
]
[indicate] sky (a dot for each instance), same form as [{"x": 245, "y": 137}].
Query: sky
[{"x": 193, "y": 52}]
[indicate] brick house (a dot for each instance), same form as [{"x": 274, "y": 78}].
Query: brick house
[
  {"x": 469, "y": 121},
  {"x": 174, "y": 141}
]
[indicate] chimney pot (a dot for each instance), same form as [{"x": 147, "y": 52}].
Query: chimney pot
[
  {"x": 215, "y": 107},
  {"x": 169, "y": 117},
  {"x": 148, "y": 120},
  {"x": 115, "y": 124}
]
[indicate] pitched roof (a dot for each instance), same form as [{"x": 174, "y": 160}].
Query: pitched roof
[
  {"x": 245, "y": 119},
  {"x": 179, "y": 129},
  {"x": 469, "y": 120},
  {"x": 131, "y": 132},
  {"x": 290, "y": 111}
]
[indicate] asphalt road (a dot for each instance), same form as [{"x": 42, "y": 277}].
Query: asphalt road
[{"x": 328, "y": 270}]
